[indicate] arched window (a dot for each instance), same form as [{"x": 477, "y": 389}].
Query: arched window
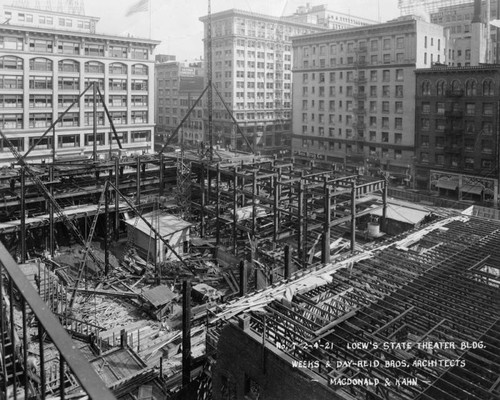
[
  {"x": 11, "y": 62},
  {"x": 426, "y": 88},
  {"x": 94, "y": 67},
  {"x": 139, "y": 69},
  {"x": 488, "y": 87},
  {"x": 441, "y": 88},
  {"x": 471, "y": 87},
  {"x": 456, "y": 86},
  {"x": 69, "y": 66},
  {"x": 41, "y": 64},
  {"x": 117, "y": 69}
]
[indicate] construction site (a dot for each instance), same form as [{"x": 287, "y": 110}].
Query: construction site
[{"x": 211, "y": 274}]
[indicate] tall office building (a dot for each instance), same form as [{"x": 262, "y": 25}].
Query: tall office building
[
  {"x": 252, "y": 70},
  {"x": 178, "y": 86},
  {"x": 47, "y": 59},
  {"x": 354, "y": 94}
]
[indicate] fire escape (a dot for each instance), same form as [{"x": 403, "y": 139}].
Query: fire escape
[
  {"x": 357, "y": 156},
  {"x": 454, "y": 130}
]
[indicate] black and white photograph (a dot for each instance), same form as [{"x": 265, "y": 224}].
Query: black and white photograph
[{"x": 249, "y": 200}]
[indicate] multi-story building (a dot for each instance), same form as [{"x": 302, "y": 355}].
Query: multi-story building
[
  {"x": 457, "y": 127},
  {"x": 354, "y": 94},
  {"x": 321, "y": 15},
  {"x": 471, "y": 40},
  {"x": 47, "y": 59},
  {"x": 252, "y": 70},
  {"x": 178, "y": 86}
]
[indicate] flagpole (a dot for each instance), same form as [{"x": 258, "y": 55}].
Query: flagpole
[{"x": 149, "y": 6}]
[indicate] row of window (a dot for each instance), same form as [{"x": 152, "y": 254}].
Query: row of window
[
  {"x": 456, "y": 87},
  {"x": 45, "y": 100},
  {"x": 36, "y": 45},
  {"x": 74, "y": 140},
  {"x": 470, "y": 126},
  {"x": 349, "y": 148},
  {"x": 487, "y": 109},
  {"x": 350, "y": 91},
  {"x": 455, "y": 161},
  {"x": 350, "y": 76},
  {"x": 15, "y": 121},
  {"x": 49, "y": 20},
  {"x": 44, "y": 64},
  {"x": 70, "y": 83},
  {"x": 349, "y": 119}
]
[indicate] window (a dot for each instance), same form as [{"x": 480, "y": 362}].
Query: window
[
  {"x": 117, "y": 51},
  {"x": 399, "y": 75},
  {"x": 488, "y": 109},
  {"x": 89, "y": 139},
  {"x": 440, "y": 124},
  {"x": 139, "y": 100},
  {"x": 139, "y": 53},
  {"x": 64, "y": 47},
  {"x": 68, "y": 140},
  {"x": 441, "y": 87},
  {"x": 11, "y": 101},
  {"x": 139, "y": 84},
  {"x": 141, "y": 136},
  {"x": 373, "y": 106},
  {"x": 398, "y": 107},
  {"x": 40, "y": 46},
  {"x": 386, "y": 75},
  {"x": 94, "y": 67},
  {"x": 11, "y": 62},
  {"x": 40, "y": 64},
  {"x": 117, "y": 84},
  {"x": 139, "y": 117},
  {"x": 89, "y": 118},
  {"x": 94, "y": 50},
  {"x": 426, "y": 88},
  {"x": 11, "y": 121},
  {"x": 68, "y": 66},
  {"x": 139, "y": 69},
  {"x": 116, "y": 69},
  {"x": 40, "y": 120},
  {"x": 470, "y": 108},
  {"x": 385, "y": 107},
  {"x": 385, "y": 122},
  {"x": 68, "y": 83},
  {"x": 426, "y": 107},
  {"x": 399, "y": 91},
  {"x": 440, "y": 108},
  {"x": 40, "y": 82},
  {"x": 488, "y": 87},
  {"x": 40, "y": 100},
  {"x": 373, "y": 76},
  {"x": 387, "y": 44},
  {"x": 385, "y": 137},
  {"x": 398, "y": 123},
  {"x": 11, "y": 43},
  {"x": 374, "y": 45},
  {"x": 385, "y": 91},
  {"x": 40, "y": 143},
  {"x": 400, "y": 42},
  {"x": 471, "y": 87},
  {"x": 424, "y": 141}
]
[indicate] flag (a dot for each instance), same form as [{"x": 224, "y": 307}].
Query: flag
[{"x": 140, "y": 6}]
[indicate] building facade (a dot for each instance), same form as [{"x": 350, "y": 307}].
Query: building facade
[
  {"x": 457, "y": 128},
  {"x": 47, "y": 59},
  {"x": 178, "y": 86},
  {"x": 354, "y": 95},
  {"x": 321, "y": 15},
  {"x": 252, "y": 70},
  {"x": 471, "y": 40}
]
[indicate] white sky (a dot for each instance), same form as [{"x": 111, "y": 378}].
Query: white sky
[{"x": 176, "y": 22}]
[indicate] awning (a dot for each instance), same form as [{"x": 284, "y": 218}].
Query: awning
[
  {"x": 473, "y": 189},
  {"x": 451, "y": 185}
]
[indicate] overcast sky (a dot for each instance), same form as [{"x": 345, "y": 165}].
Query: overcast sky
[{"x": 176, "y": 22}]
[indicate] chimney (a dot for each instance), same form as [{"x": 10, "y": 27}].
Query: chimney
[{"x": 477, "y": 12}]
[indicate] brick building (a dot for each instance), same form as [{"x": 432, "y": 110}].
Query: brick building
[{"x": 457, "y": 126}]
